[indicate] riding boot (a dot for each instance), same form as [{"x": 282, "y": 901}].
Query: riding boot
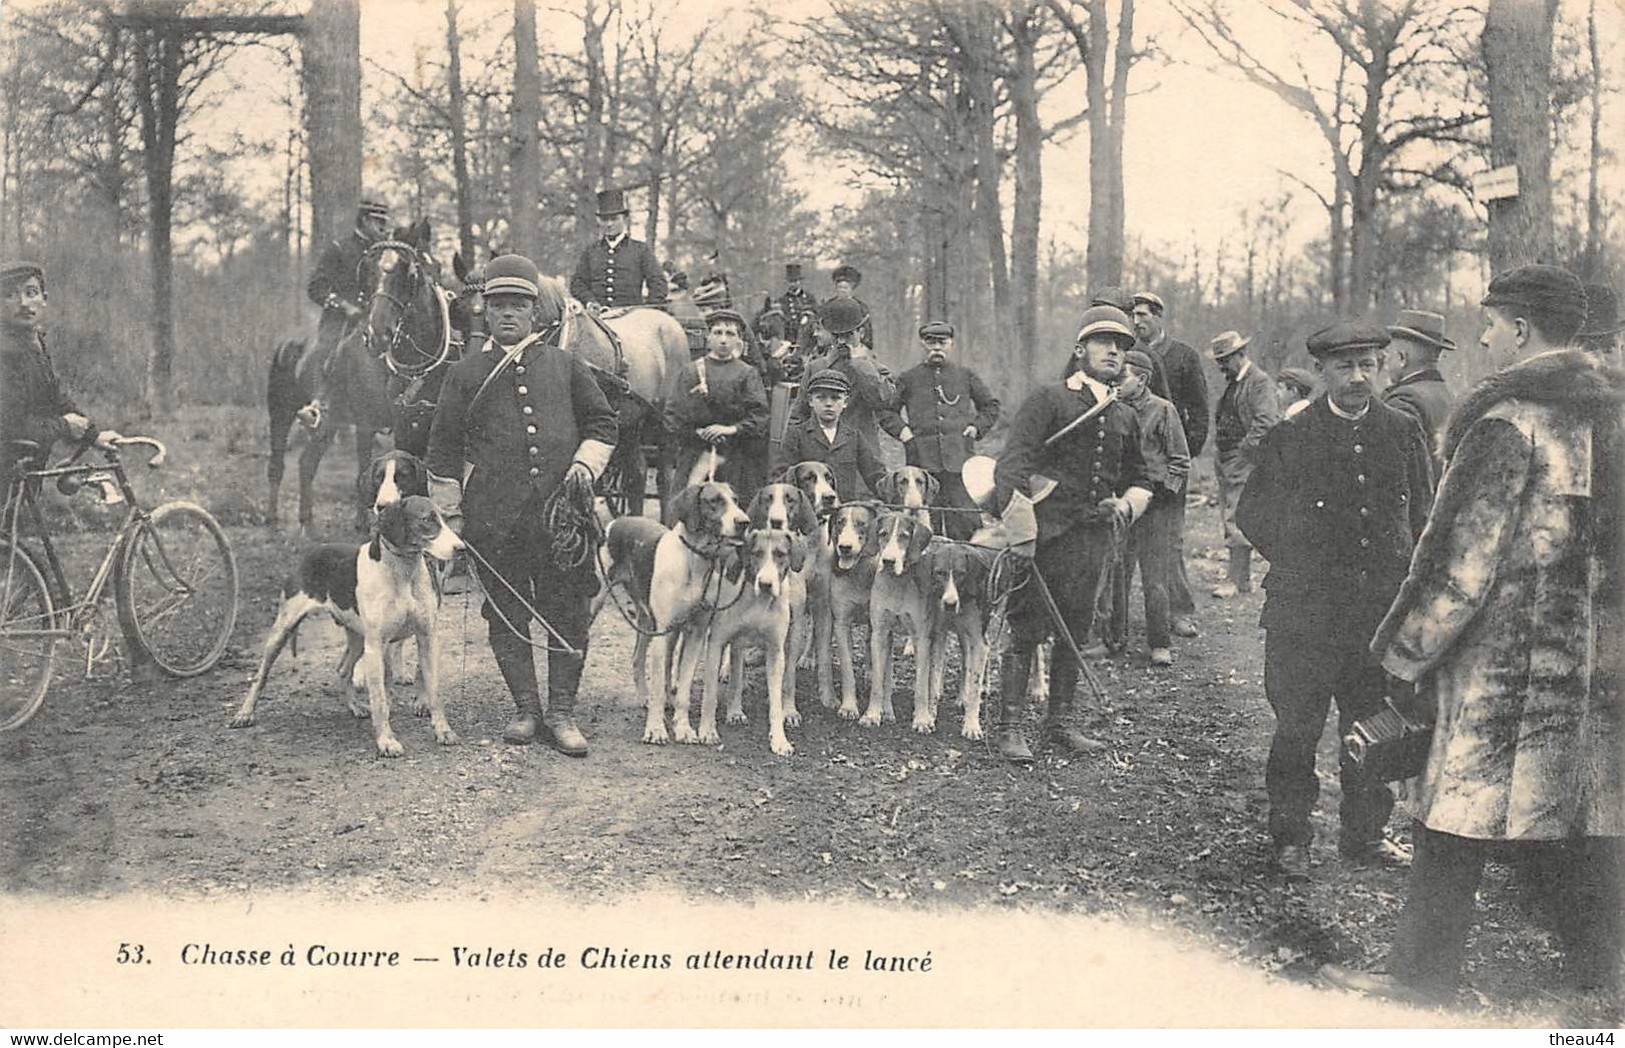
[
  {"x": 1013, "y": 679},
  {"x": 1241, "y": 568},
  {"x": 1063, "y": 683},
  {"x": 518, "y": 666},
  {"x": 558, "y": 723}
]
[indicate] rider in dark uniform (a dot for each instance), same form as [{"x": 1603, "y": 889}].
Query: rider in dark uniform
[
  {"x": 336, "y": 284},
  {"x": 796, "y": 302},
  {"x": 614, "y": 270}
]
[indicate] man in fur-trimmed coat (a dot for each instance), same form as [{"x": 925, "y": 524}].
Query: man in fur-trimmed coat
[{"x": 1512, "y": 610}]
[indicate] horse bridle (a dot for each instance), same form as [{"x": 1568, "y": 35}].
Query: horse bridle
[{"x": 423, "y": 361}]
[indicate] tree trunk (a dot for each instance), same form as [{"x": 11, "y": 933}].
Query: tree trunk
[
  {"x": 989, "y": 214},
  {"x": 331, "y": 50},
  {"x": 1593, "y": 251},
  {"x": 525, "y": 156},
  {"x": 158, "y": 87},
  {"x": 459, "y": 134},
  {"x": 1122, "y": 63},
  {"x": 1097, "y": 263},
  {"x": 592, "y": 135},
  {"x": 1517, "y": 47},
  {"x": 1029, "y": 190}
]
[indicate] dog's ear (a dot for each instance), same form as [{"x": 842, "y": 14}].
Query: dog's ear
[
  {"x": 871, "y": 533},
  {"x": 932, "y": 486},
  {"x": 806, "y": 521},
  {"x": 798, "y": 552},
  {"x": 886, "y": 487},
  {"x": 918, "y": 540},
  {"x": 683, "y": 506},
  {"x": 393, "y": 523},
  {"x": 757, "y": 511}
]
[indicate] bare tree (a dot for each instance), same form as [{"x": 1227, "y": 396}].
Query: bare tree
[
  {"x": 1517, "y": 46},
  {"x": 525, "y": 155}
]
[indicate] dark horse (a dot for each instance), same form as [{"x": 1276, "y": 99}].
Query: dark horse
[{"x": 383, "y": 375}]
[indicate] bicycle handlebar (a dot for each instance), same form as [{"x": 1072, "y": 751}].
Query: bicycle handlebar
[{"x": 152, "y": 442}]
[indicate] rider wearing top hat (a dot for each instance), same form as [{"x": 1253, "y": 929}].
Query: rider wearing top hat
[
  {"x": 796, "y": 302},
  {"x": 336, "y": 284},
  {"x": 615, "y": 270}
]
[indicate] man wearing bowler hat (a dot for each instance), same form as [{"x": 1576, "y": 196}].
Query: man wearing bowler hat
[
  {"x": 1420, "y": 392},
  {"x": 872, "y": 387},
  {"x": 1336, "y": 498},
  {"x": 1247, "y": 410},
  {"x": 941, "y": 409},
  {"x": 615, "y": 270}
]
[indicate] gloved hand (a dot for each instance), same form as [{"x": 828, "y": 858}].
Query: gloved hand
[
  {"x": 1121, "y": 513},
  {"x": 107, "y": 438},
  {"x": 351, "y": 310},
  {"x": 78, "y": 425},
  {"x": 906, "y": 436}
]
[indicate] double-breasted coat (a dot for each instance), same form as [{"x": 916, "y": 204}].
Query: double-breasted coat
[
  {"x": 939, "y": 401},
  {"x": 617, "y": 276},
  {"x": 1512, "y": 608}
]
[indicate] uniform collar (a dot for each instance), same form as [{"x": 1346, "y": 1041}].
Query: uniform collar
[
  {"x": 613, "y": 244},
  {"x": 1079, "y": 380},
  {"x": 1340, "y": 413},
  {"x": 1419, "y": 375}
]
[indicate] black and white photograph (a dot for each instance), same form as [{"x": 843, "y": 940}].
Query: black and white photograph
[{"x": 837, "y": 513}]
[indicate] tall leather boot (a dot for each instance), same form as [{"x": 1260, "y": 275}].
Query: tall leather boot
[
  {"x": 558, "y": 723},
  {"x": 1241, "y": 568},
  {"x": 518, "y": 665},
  {"x": 1014, "y": 674},
  {"x": 1063, "y": 684}
]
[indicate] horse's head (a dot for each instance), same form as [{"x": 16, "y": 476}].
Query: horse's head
[
  {"x": 468, "y": 308},
  {"x": 408, "y": 324}
]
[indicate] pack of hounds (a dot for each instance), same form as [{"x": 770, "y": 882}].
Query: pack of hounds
[{"x": 793, "y": 571}]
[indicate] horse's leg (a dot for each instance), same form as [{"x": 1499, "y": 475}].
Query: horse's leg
[
  {"x": 363, "y": 466},
  {"x": 281, "y": 420},
  {"x": 310, "y": 459}
]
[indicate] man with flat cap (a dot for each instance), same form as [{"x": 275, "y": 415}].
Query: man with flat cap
[
  {"x": 1420, "y": 391},
  {"x": 517, "y": 422},
  {"x": 846, "y": 279},
  {"x": 336, "y": 284},
  {"x": 718, "y": 412},
  {"x": 1247, "y": 411},
  {"x": 1511, "y": 615},
  {"x": 615, "y": 270},
  {"x": 1336, "y": 498},
  {"x": 796, "y": 302},
  {"x": 871, "y": 384},
  {"x": 1091, "y": 485},
  {"x": 33, "y": 405},
  {"x": 941, "y": 409},
  {"x": 1183, "y": 382}
]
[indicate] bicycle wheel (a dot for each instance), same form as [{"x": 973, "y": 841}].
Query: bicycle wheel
[
  {"x": 177, "y": 589},
  {"x": 27, "y": 637}
]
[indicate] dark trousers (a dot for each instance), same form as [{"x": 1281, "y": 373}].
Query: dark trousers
[
  {"x": 1071, "y": 564},
  {"x": 961, "y": 523},
  {"x": 1150, "y": 548},
  {"x": 1304, "y": 673},
  {"x": 524, "y": 558},
  {"x": 1582, "y": 882},
  {"x": 1180, "y": 601}
]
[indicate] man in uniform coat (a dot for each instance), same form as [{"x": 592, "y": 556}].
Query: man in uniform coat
[
  {"x": 336, "y": 284},
  {"x": 1336, "y": 499},
  {"x": 873, "y": 389},
  {"x": 796, "y": 301},
  {"x": 1247, "y": 410},
  {"x": 614, "y": 270},
  {"x": 1181, "y": 368},
  {"x": 1420, "y": 391},
  {"x": 1099, "y": 488},
  {"x": 948, "y": 408},
  {"x": 33, "y": 404},
  {"x": 514, "y": 423}
]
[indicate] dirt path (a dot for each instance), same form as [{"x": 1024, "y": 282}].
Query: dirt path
[{"x": 118, "y": 789}]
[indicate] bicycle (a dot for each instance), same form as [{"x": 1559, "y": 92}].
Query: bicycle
[{"x": 172, "y": 571}]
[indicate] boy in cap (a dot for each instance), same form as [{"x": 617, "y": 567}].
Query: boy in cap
[
  {"x": 1150, "y": 540},
  {"x": 720, "y": 404},
  {"x": 872, "y": 390},
  {"x": 1247, "y": 410},
  {"x": 948, "y": 408},
  {"x": 1336, "y": 498},
  {"x": 826, "y": 435},
  {"x": 1511, "y": 612},
  {"x": 614, "y": 270},
  {"x": 1294, "y": 387},
  {"x": 33, "y": 405},
  {"x": 1096, "y": 486},
  {"x": 517, "y": 422},
  {"x": 1420, "y": 391}
]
